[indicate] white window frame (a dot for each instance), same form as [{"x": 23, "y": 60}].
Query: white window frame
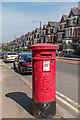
[
  {"x": 42, "y": 40},
  {"x": 34, "y": 41},
  {"x": 67, "y": 33},
  {"x": 47, "y": 39},
  {"x": 59, "y": 27},
  {"x": 59, "y": 37},
  {"x": 36, "y": 35},
  {"x": 48, "y": 30},
  {"x": 44, "y": 32},
  {"x": 71, "y": 22}
]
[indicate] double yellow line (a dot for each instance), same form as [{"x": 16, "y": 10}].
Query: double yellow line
[{"x": 67, "y": 102}]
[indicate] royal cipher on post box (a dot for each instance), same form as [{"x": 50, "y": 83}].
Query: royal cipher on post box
[{"x": 43, "y": 80}]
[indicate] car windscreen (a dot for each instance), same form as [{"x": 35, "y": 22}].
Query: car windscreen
[
  {"x": 11, "y": 54},
  {"x": 27, "y": 56}
]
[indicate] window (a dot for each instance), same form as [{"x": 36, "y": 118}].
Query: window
[
  {"x": 71, "y": 22},
  {"x": 11, "y": 53},
  {"x": 36, "y": 35},
  {"x": 46, "y": 39},
  {"x": 50, "y": 39},
  {"x": 78, "y": 20},
  {"x": 74, "y": 21},
  {"x": 44, "y": 32},
  {"x": 64, "y": 45},
  {"x": 66, "y": 33},
  {"x": 59, "y": 37},
  {"x": 41, "y": 40},
  {"x": 70, "y": 31},
  {"x": 39, "y": 34},
  {"x": 33, "y": 35},
  {"x": 62, "y": 27},
  {"x": 53, "y": 30},
  {"x": 69, "y": 45},
  {"x": 74, "y": 32},
  {"x": 58, "y": 27},
  {"x": 77, "y": 31},
  {"x": 48, "y": 30},
  {"x": 34, "y": 41}
]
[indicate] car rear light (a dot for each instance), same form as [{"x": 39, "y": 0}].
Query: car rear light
[
  {"x": 17, "y": 56},
  {"x": 7, "y": 57},
  {"x": 26, "y": 63}
]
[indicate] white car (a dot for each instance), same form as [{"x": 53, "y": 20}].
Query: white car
[{"x": 10, "y": 57}]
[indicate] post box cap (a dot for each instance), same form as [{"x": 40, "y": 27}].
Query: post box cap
[{"x": 44, "y": 46}]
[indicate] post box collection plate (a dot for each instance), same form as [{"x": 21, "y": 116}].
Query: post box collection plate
[{"x": 46, "y": 65}]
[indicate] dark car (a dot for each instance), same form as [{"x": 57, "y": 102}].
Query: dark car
[{"x": 23, "y": 63}]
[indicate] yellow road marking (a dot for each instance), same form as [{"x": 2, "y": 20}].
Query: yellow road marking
[
  {"x": 70, "y": 106},
  {"x": 68, "y": 99}
]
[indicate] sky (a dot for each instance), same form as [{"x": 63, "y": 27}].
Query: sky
[{"x": 17, "y": 16}]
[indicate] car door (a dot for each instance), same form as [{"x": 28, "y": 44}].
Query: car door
[{"x": 16, "y": 62}]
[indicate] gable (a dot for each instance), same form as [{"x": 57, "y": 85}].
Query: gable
[
  {"x": 71, "y": 14},
  {"x": 62, "y": 20}
]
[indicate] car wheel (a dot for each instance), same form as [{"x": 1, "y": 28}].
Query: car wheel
[
  {"x": 14, "y": 67},
  {"x": 19, "y": 70},
  {"x": 5, "y": 61}
]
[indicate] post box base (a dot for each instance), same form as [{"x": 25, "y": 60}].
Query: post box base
[{"x": 43, "y": 109}]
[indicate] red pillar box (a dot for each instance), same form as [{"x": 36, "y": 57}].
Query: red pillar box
[{"x": 44, "y": 80}]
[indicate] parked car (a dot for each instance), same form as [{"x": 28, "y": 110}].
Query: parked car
[
  {"x": 59, "y": 53},
  {"x": 23, "y": 64},
  {"x": 2, "y": 55},
  {"x": 10, "y": 57},
  {"x": 19, "y": 52}
]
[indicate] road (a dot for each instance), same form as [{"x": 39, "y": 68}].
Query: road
[{"x": 66, "y": 86}]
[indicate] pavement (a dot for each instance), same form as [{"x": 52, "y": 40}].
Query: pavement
[{"x": 69, "y": 60}]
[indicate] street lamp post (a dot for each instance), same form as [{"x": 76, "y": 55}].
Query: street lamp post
[{"x": 40, "y": 27}]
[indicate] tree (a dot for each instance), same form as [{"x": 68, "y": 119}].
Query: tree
[{"x": 6, "y": 48}]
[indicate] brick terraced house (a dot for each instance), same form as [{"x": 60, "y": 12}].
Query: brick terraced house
[
  {"x": 72, "y": 31},
  {"x": 61, "y": 31},
  {"x": 51, "y": 32},
  {"x": 65, "y": 33}
]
